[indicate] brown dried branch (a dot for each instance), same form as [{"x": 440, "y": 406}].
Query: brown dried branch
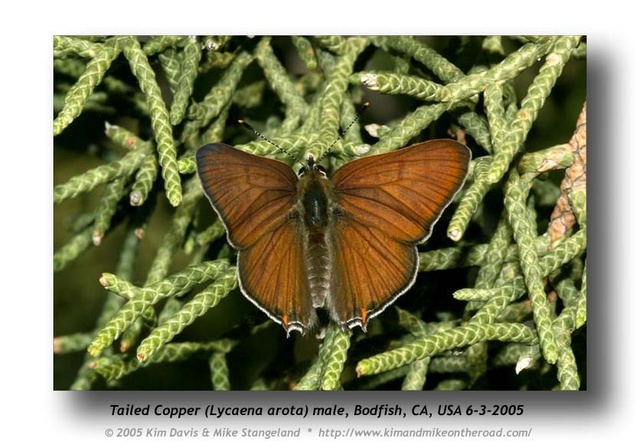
[{"x": 575, "y": 179}]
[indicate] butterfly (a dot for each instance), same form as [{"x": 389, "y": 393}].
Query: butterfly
[{"x": 345, "y": 243}]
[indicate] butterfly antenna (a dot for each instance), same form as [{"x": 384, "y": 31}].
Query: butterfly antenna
[
  {"x": 341, "y": 135},
  {"x": 266, "y": 139}
]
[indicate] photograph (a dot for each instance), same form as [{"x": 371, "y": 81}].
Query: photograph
[{"x": 320, "y": 213}]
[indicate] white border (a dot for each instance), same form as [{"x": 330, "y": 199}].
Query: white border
[{"x": 34, "y": 411}]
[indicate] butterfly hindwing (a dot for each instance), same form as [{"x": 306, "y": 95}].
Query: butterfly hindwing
[
  {"x": 370, "y": 270},
  {"x": 273, "y": 275}
]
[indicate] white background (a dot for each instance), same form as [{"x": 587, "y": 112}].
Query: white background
[{"x": 33, "y": 411}]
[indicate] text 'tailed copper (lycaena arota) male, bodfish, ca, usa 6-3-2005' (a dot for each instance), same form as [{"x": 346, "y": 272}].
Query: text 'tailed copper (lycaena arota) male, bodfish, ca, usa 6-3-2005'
[{"x": 345, "y": 243}]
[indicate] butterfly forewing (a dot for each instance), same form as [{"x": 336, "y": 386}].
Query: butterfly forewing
[
  {"x": 403, "y": 192},
  {"x": 385, "y": 205},
  {"x": 251, "y": 194}
]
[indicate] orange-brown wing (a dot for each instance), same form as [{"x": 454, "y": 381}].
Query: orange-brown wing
[
  {"x": 403, "y": 192},
  {"x": 386, "y": 205},
  {"x": 272, "y": 275},
  {"x": 251, "y": 194},
  {"x": 255, "y": 199},
  {"x": 371, "y": 270}
]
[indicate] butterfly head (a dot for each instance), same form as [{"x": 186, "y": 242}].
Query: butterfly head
[{"x": 312, "y": 167}]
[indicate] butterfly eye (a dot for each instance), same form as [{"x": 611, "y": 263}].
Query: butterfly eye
[
  {"x": 321, "y": 169},
  {"x": 302, "y": 170}
]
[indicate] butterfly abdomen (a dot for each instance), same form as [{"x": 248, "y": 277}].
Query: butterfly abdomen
[{"x": 318, "y": 268}]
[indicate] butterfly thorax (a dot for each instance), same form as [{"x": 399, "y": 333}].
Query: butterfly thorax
[
  {"x": 314, "y": 204},
  {"x": 313, "y": 194}
]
